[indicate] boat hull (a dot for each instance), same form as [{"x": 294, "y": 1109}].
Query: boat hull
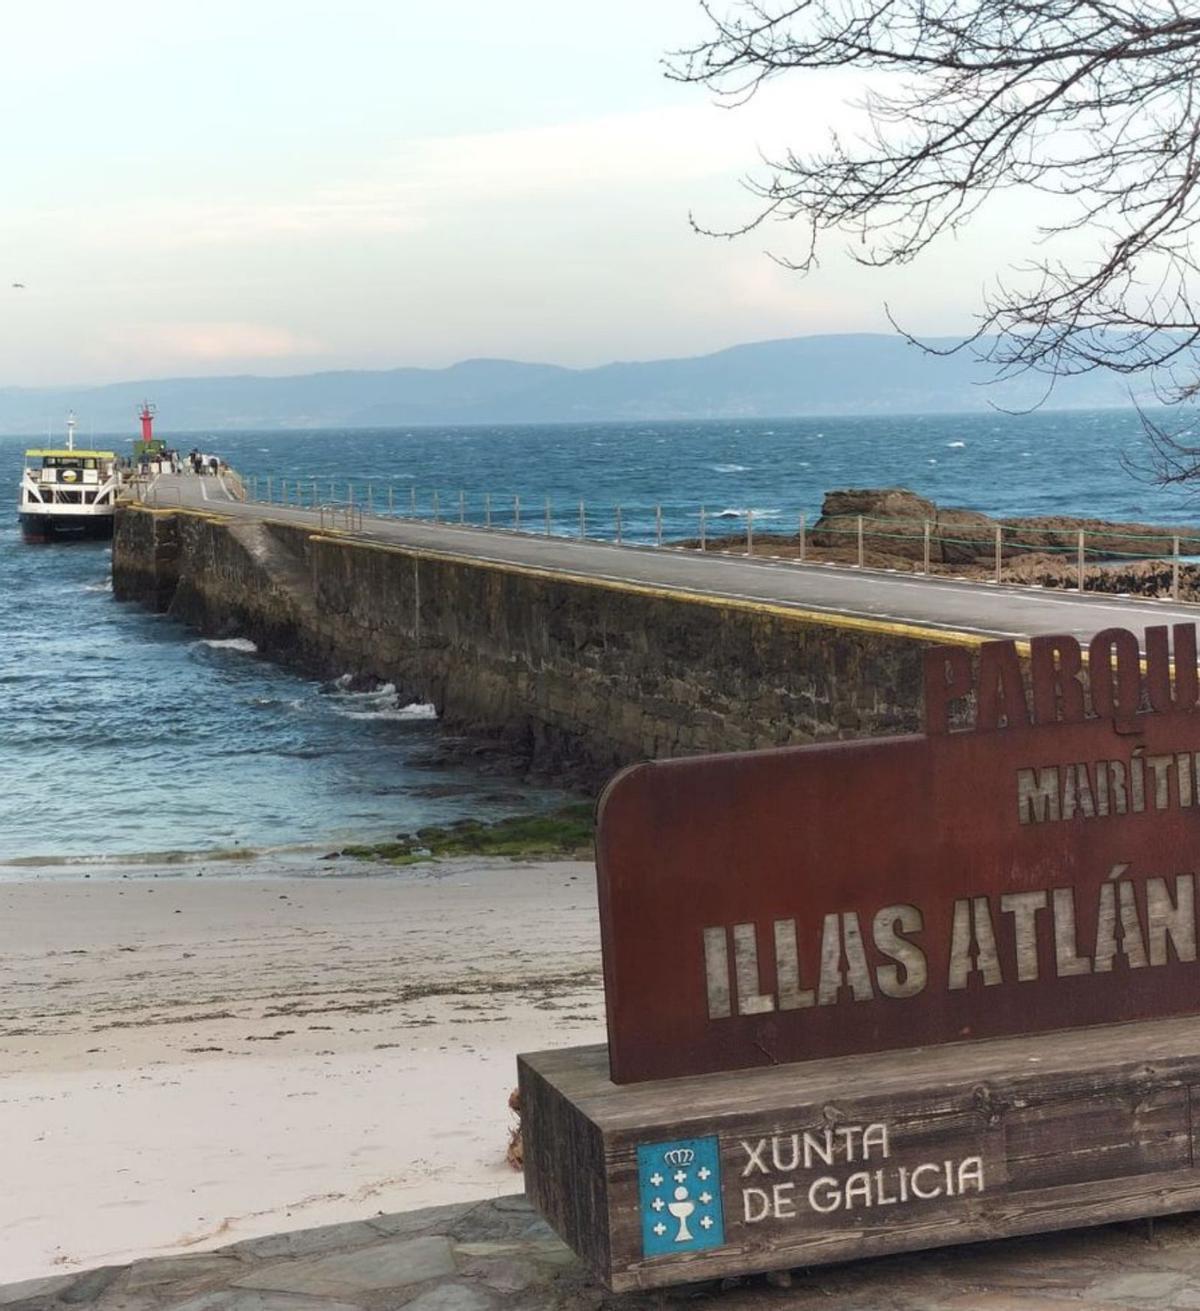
[{"x": 41, "y": 528}]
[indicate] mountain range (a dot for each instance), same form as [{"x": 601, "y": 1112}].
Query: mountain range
[{"x": 847, "y": 374}]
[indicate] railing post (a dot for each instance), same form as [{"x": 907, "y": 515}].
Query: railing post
[
  {"x": 487, "y": 508},
  {"x": 1079, "y": 561},
  {"x": 412, "y": 500},
  {"x": 860, "y": 541},
  {"x": 703, "y": 529},
  {"x": 370, "y": 498},
  {"x": 1175, "y": 569},
  {"x": 999, "y": 550},
  {"x": 925, "y": 570},
  {"x": 802, "y": 535},
  {"x": 547, "y": 516},
  {"x": 658, "y": 525},
  {"x": 749, "y": 532},
  {"x": 462, "y": 507},
  {"x": 516, "y": 514},
  {"x": 582, "y": 520},
  {"x": 350, "y": 493},
  {"x": 437, "y": 509},
  {"x": 391, "y": 500},
  {"x": 618, "y": 525},
  {"x": 268, "y": 489},
  {"x": 316, "y": 498}
]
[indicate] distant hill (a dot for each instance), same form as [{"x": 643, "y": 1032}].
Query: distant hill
[{"x": 821, "y": 375}]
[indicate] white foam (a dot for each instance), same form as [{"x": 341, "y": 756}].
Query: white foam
[
  {"x": 415, "y": 711},
  {"x": 729, "y": 468},
  {"x": 243, "y": 644},
  {"x": 954, "y": 446},
  {"x": 381, "y": 702}
]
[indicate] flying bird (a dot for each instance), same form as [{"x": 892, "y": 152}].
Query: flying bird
[{"x": 19, "y": 285}]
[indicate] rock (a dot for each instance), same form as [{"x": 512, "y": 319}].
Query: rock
[
  {"x": 88, "y": 1287},
  {"x": 28, "y": 1289},
  {"x": 234, "y": 1299},
  {"x": 962, "y": 537},
  {"x": 178, "y": 1269},
  {"x": 892, "y": 520},
  {"x": 893, "y": 529},
  {"x": 452, "y": 1297},
  {"x": 877, "y": 502},
  {"x": 505, "y": 1275},
  {"x": 365, "y": 1270},
  {"x": 409, "y": 1224},
  {"x": 308, "y": 1242}
]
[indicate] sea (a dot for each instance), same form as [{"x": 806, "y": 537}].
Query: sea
[{"x": 125, "y": 739}]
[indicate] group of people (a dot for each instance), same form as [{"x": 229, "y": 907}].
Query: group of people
[{"x": 205, "y": 465}]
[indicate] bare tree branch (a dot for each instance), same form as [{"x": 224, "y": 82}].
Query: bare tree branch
[{"x": 1092, "y": 102}]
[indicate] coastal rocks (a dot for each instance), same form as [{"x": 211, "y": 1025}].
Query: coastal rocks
[{"x": 894, "y": 521}]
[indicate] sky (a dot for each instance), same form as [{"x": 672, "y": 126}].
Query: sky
[{"x": 196, "y": 187}]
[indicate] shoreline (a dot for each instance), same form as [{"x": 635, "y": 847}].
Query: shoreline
[
  {"x": 187, "y": 1061},
  {"x": 561, "y": 832}
]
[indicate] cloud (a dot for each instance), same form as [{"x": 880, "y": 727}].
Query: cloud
[{"x": 209, "y": 343}]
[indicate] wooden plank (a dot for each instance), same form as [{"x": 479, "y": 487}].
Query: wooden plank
[
  {"x": 565, "y": 1172},
  {"x": 862, "y": 1155}
]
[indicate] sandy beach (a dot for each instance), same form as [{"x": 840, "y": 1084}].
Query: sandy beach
[{"x": 212, "y": 1054}]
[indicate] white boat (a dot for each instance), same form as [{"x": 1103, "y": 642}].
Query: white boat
[{"x": 68, "y": 493}]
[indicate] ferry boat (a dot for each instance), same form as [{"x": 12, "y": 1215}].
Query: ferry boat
[{"x": 68, "y": 493}]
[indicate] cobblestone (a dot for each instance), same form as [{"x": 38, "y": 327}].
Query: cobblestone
[{"x": 497, "y": 1256}]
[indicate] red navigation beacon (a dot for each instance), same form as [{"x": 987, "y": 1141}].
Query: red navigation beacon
[{"x": 146, "y": 414}]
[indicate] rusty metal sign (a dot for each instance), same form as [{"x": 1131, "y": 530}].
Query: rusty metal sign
[{"x": 1027, "y": 864}]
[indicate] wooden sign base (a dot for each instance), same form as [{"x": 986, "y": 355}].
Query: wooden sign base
[{"x": 796, "y": 1165}]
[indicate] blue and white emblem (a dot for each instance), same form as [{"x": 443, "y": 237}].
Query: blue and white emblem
[{"x": 679, "y": 1188}]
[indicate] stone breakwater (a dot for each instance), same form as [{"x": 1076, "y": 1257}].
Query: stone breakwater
[{"x": 573, "y": 675}]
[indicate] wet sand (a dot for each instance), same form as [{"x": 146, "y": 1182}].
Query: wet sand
[{"x": 211, "y": 1054}]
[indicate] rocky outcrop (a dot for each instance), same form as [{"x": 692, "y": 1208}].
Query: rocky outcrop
[{"x": 894, "y": 522}]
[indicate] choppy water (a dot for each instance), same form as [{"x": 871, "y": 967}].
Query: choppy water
[{"x": 120, "y": 733}]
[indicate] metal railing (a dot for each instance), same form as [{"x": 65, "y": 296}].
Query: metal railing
[{"x": 925, "y": 547}]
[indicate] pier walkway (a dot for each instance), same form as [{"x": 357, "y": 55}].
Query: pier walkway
[{"x": 881, "y": 597}]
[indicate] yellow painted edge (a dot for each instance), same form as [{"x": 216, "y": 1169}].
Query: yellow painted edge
[
  {"x": 158, "y": 511},
  {"x": 797, "y": 614},
  {"x": 889, "y": 628}
]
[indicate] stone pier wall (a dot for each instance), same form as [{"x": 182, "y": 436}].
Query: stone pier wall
[{"x": 589, "y": 674}]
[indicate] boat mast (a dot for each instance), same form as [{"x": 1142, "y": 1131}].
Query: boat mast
[{"x": 71, "y": 425}]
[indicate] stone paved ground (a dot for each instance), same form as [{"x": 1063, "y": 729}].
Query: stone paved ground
[{"x": 497, "y": 1254}]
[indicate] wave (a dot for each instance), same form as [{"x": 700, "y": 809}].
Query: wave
[
  {"x": 117, "y": 860},
  {"x": 170, "y": 857},
  {"x": 104, "y": 585},
  {"x": 956, "y": 446},
  {"x": 413, "y": 712},
  {"x": 243, "y": 644},
  {"x": 735, "y": 513},
  {"x": 730, "y": 468},
  {"x": 382, "y": 702}
]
